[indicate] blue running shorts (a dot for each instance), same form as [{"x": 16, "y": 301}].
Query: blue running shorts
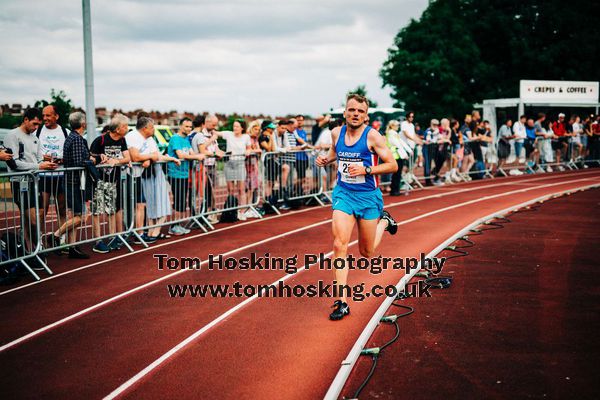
[{"x": 363, "y": 205}]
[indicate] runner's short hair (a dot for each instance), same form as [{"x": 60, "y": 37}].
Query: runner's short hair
[{"x": 357, "y": 97}]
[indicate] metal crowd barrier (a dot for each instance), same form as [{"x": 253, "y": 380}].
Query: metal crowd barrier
[
  {"x": 20, "y": 224},
  {"x": 232, "y": 184},
  {"x": 95, "y": 210},
  {"x": 292, "y": 176}
]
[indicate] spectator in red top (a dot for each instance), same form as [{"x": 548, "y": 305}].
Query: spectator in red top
[{"x": 559, "y": 128}]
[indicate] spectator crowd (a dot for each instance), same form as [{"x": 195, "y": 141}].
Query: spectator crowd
[{"x": 123, "y": 169}]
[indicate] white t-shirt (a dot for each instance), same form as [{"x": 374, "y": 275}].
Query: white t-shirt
[
  {"x": 51, "y": 143},
  {"x": 201, "y": 138},
  {"x": 236, "y": 144},
  {"x": 519, "y": 131},
  {"x": 324, "y": 140},
  {"x": 145, "y": 146},
  {"x": 410, "y": 128}
]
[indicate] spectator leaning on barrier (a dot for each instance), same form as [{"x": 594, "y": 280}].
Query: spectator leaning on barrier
[
  {"x": 197, "y": 127},
  {"x": 457, "y": 154},
  {"x": 152, "y": 182},
  {"x": 301, "y": 156},
  {"x": 408, "y": 134},
  {"x": 504, "y": 137},
  {"x": 520, "y": 135},
  {"x": 268, "y": 144},
  {"x": 468, "y": 159},
  {"x": 430, "y": 150},
  {"x": 444, "y": 141},
  {"x": 560, "y": 144},
  {"x": 110, "y": 150},
  {"x": 23, "y": 143},
  {"x": 178, "y": 173},
  {"x": 51, "y": 141},
  {"x": 541, "y": 137},
  {"x": 238, "y": 147},
  {"x": 206, "y": 143},
  {"x": 285, "y": 131},
  {"x": 252, "y": 172},
  {"x": 139, "y": 152},
  {"x": 576, "y": 141},
  {"x": 75, "y": 155},
  {"x": 530, "y": 151}
]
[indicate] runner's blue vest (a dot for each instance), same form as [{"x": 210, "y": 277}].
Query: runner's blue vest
[{"x": 360, "y": 154}]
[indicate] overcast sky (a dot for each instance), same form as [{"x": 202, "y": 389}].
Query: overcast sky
[{"x": 245, "y": 56}]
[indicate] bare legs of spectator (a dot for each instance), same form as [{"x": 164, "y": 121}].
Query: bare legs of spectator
[
  {"x": 467, "y": 163},
  {"x": 60, "y": 205},
  {"x": 140, "y": 209}
]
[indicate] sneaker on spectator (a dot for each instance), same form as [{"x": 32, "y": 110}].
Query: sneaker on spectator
[
  {"x": 241, "y": 215},
  {"x": 213, "y": 219},
  {"x": 561, "y": 168},
  {"x": 115, "y": 244},
  {"x": 75, "y": 252},
  {"x": 100, "y": 247},
  {"x": 284, "y": 207},
  {"x": 250, "y": 213},
  {"x": 149, "y": 239},
  {"x": 52, "y": 240},
  {"x": 548, "y": 169},
  {"x": 176, "y": 230}
]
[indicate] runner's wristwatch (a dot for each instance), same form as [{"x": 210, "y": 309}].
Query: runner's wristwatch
[{"x": 368, "y": 170}]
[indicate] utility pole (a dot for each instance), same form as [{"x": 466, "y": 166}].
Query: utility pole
[{"x": 90, "y": 108}]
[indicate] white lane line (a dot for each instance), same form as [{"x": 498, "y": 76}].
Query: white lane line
[
  {"x": 84, "y": 267},
  {"x": 133, "y": 380}
]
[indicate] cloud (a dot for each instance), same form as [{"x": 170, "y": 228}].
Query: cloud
[{"x": 250, "y": 56}]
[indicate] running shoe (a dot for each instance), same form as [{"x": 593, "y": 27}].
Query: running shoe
[
  {"x": 391, "y": 227},
  {"x": 341, "y": 309},
  {"x": 101, "y": 247}
]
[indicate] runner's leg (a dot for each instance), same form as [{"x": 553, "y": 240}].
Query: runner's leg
[{"x": 342, "y": 225}]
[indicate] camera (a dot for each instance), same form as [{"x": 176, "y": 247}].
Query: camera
[{"x": 11, "y": 163}]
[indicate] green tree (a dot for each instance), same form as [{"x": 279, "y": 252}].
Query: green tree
[
  {"x": 9, "y": 121},
  {"x": 463, "y": 51},
  {"x": 63, "y": 105},
  {"x": 362, "y": 90}
]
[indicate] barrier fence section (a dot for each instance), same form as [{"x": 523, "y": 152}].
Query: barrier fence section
[
  {"x": 20, "y": 223},
  {"x": 291, "y": 177}
]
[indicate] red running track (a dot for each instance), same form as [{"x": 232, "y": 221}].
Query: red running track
[
  {"x": 283, "y": 348},
  {"x": 519, "y": 320}
]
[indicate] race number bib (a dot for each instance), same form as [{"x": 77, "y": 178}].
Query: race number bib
[{"x": 343, "y": 168}]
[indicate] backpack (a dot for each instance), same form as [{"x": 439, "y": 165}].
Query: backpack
[
  {"x": 10, "y": 248},
  {"x": 479, "y": 166},
  {"x": 39, "y": 131},
  {"x": 230, "y": 215}
]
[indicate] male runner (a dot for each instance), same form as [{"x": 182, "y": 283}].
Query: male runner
[{"x": 357, "y": 197}]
